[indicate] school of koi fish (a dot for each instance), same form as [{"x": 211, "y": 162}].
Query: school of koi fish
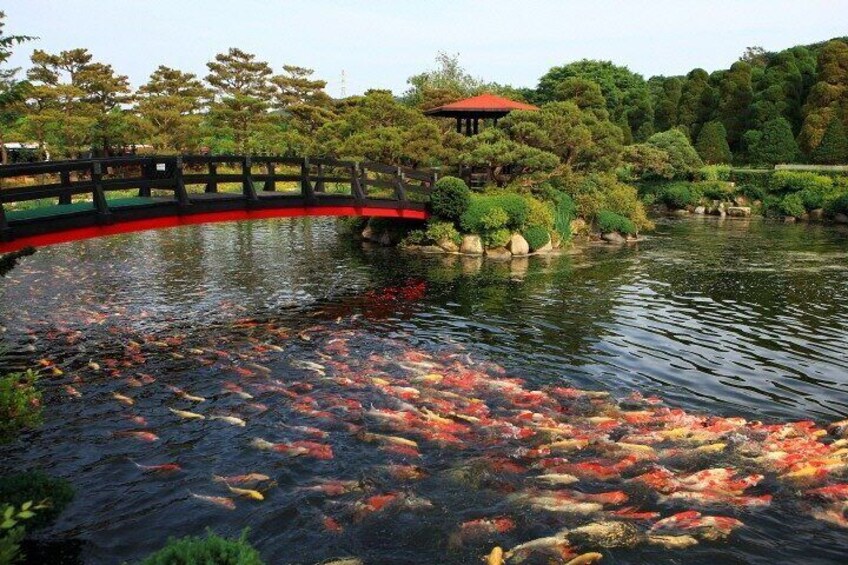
[{"x": 556, "y": 474}]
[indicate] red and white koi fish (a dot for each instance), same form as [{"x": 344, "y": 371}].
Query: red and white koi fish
[
  {"x": 220, "y": 501},
  {"x": 707, "y": 527},
  {"x": 164, "y": 468}
]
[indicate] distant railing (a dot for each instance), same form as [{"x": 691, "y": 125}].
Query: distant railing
[{"x": 79, "y": 193}]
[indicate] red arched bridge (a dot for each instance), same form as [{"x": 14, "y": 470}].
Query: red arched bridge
[{"x": 57, "y": 201}]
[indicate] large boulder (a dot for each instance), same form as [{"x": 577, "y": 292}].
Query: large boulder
[
  {"x": 448, "y": 245},
  {"x": 547, "y": 248},
  {"x": 471, "y": 245},
  {"x": 499, "y": 253},
  {"x": 739, "y": 211},
  {"x": 700, "y": 210},
  {"x": 840, "y": 219},
  {"x": 817, "y": 215},
  {"x": 579, "y": 227},
  {"x": 368, "y": 233},
  {"x": 517, "y": 245}
]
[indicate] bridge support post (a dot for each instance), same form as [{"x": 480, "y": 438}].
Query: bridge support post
[
  {"x": 400, "y": 189},
  {"x": 65, "y": 195},
  {"x": 179, "y": 185},
  {"x": 247, "y": 181},
  {"x": 359, "y": 179},
  {"x": 319, "y": 184},
  {"x": 98, "y": 195},
  {"x": 306, "y": 188},
  {"x": 270, "y": 184}
]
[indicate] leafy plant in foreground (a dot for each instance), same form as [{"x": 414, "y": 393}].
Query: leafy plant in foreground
[{"x": 208, "y": 550}]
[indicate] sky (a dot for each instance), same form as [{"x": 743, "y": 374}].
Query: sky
[{"x": 380, "y": 43}]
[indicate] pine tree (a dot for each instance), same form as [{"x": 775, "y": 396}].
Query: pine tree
[
  {"x": 833, "y": 149},
  {"x": 712, "y": 144},
  {"x": 776, "y": 144}
]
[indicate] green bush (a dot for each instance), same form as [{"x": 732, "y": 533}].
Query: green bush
[
  {"x": 783, "y": 182},
  {"x": 20, "y": 404},
  {"x": 481, "y": 217},
  {"x": 753, "y": 177},
  {"x": 812, "y": 199},
  {"x": 441, "y": 231},
  {"x": 713, "y": 173},
  {"x": 517, "y": 208},
  {"x": 51, "y": 494},
  {"x": 497, "y": 238},
  {"x": 537, "y": 237},
  {"x": 415, "y": 237},
  {"x": 772, "y": 206},
  {"x": 494, "y": 218},
  {"x": 564, "y": 213},
  {"x": 715, "y": 190},
  {"x": 837, "y": 205},
  {"x": 541, "y": 213},
  {"x": 678, "y": 195},
  {"x": 611, "y": 222},
  {"x": 792, "y": 205},
  {"x": 206, "y": 551},
  {"x": 752, "y": 191},
  {"x": 450, "y": 198}
]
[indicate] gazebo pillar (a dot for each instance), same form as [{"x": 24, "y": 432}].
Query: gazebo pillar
[
  {"x": 468, "y": 126},
  {"x": 476, "y": 126},
  {"x": 458, "y": 125}
]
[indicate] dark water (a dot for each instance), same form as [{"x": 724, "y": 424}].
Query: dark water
[{"x": 735, "y": 319}]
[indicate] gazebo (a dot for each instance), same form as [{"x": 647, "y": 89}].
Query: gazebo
[{"x": 472, "y": 109}]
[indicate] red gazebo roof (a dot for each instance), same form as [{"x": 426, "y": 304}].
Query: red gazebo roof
[{"x": 484, "y": 104}]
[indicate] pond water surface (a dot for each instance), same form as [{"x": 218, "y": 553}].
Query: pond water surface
[{"x": 321, "y": 347}]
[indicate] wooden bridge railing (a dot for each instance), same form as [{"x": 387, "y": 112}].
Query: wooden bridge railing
[{"x": 194, "y": 184}]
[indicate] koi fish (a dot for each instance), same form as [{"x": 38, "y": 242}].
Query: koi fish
[
  {"x": 707, "y": 527},
  {"x": 143, "y": 436},
  {"x": 557, "y": 478},
  {"x": 247, "y": 493},
  {"x": 232, "y": 420},
  {"x": 72, "y": 392},
  {"x": 123, "y": 399},
  {"x": 333, "y": 488},
  {"x": 379, "y": 438},
  {"x": 835, "y": 493},
  {"x": 495, "y": 557},
  {"x": 221, "y": 501},
  {"x": 93, "y": 366},
  {"x": 165, "y": 468},
  {"x": 187, "y": 415},
  {"x": 242, "y": 479},
  {"x": 184, "y": 395},
  {"x": 332, "y": 525}
]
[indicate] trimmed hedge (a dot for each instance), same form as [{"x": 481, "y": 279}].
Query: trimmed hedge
[
  {"x": 678, "y": 195},
  {"x": 838, "y": 205},
  {"x": 713, "y": 173},
  {"x": 450, "y": 198},
  {"x": 792, "y": 205},
  {"x": 611, "y": 222},
  {"x": 752, "y": 177},
  {"x": 480, "y": 217}
]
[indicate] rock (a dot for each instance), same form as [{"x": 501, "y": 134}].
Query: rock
[
  {"x": 385, "y": 239},
  {"x": 547, "y": 248},
  {"x": 740, "y": 200},
  {"x": 739, "y": 211},
  {"x": 700, "y": 210},
  {"x": 681, "y": 212},
  {"x": 840, "y": 219},
  {"x": 517, "y": 245},
  {"x": 448, "y": 245},
  {"x": 805, "y": 217},
  {"x": 368, "y": 233},
  {"x": 499, "y": 253},
  {"x": 431, "y": 249},
  {"x": 817, "y": 215},
  {"x": 471, "y": 245},
  {"x": 518, "y": 267},
  {"x": 613, "y": 237},
  {"x": 789, "y": 220}
]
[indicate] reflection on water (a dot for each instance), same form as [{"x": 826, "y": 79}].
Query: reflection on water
[{"x": 740, "y": 319}]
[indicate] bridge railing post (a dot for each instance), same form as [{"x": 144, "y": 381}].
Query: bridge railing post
[
  {"x": 358, "y": 182},
  {"x": 98, "y": 195},
  {"x": 270, "y": 184},
  {"x": 319, "y": 184},
  {"x": 65, "y": 180},
  {"x": 212, "y": 185},
  {"x": 147, "y": 167},
  {"x": 400, "y": 189},
  {"x": 306, "y": 189},
  {"x": 5, "y": 230},
  {"x": 247, "y": 180},
  {"x": 180, "y": 192}
]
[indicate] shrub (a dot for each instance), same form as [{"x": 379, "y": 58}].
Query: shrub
[
  {"x": 772, "y": 206},
  {"x": 441, "y": 231},
  {"x": 415, "y": 237},
  {"x": 211, "y": 549},
  {"x": 51, "y": 494},
  {"x": 494, "y": 218},
  {"x": 497, "y": 238},
  {"x": 537, "y": 237},
  {"x": 792, "y": 205},
  {"x": 794, "y": 181},
  {"x": 713, "y": 173},
  {"x": 20, "y": 404},
  {"x": 812, "y": 199},
  {"x": 753, "y": 177},
  {"x": 540, "y": 214},
  {"x": 678, "y": 195},
  {"x": 480, "y": 216},
  {"x": 564, "y": 212},
  {"x": 716, "y": 190},
  {"x": 612, "y": 222},
  {"x": 517, "y": 208},
  {"x": 752, "y": 191},
  {"x": 683, "y": 158},
  {"x": 837, "y": 205},
  {"x": 450, "y": 198}
]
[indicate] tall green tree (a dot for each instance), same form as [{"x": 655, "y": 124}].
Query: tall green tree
[
  {"x": 170, "y": 106},
  {"x": 828, "y": 98},
  {"x": 242, "y": 93},
  {"x": 697, "y": 102},
  {"x": 712, "y": 144},
  {"x": 833, "y": 149},
  {"x": 735, "y": 94},
  {"x": 682, "y": 157},
  {"x": 666, "y": 93},
  {"x": 12, "y": 91},
  {"x": 773, "y": 144},
  {"x": 302, "y": 99}
]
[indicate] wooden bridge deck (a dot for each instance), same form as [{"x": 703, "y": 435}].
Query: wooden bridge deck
[{"x": 83, "y": 199}]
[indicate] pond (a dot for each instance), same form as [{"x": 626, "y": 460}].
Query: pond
[{"x": 381, "y": 399}]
